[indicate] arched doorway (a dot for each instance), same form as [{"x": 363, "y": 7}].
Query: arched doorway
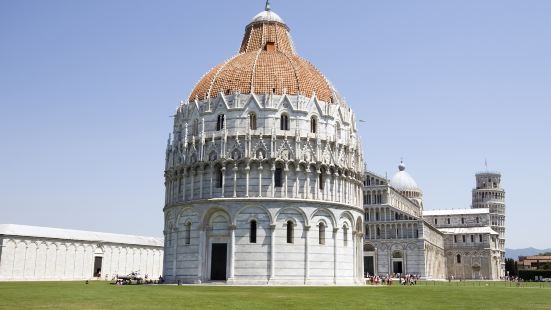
[
  {"x": 218, "y": 246},
  {"x": 397, "y": 262},
  {"x": 369, "y": 259},
  {"x": 98, "y": 262}
]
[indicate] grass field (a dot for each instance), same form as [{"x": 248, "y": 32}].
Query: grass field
[{"x": 426, "y": 295}]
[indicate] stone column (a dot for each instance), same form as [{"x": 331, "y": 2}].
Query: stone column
[
  {"x": 260, "y": 168},
  {"x": 232, "y": 252},
  {"x": 272, "y": 251},
  {"x": 297, "y": 182},
  {"x": 202, "y": 254},
  {"x": 192, "y": 183},
  {"x": 306, "y": 255},
  {"x": 285, "y": 171},
  {"x": 202, "y": 171},
  {"x": 354, "y": 255},
  {"x": 307, "y": 183},
  {"x": 211, "y": 177},
  {"x": 247, "y": 171},
  {"x": 175, "y": 250},
  {"x": 235, "y": 180},
  {"x": 273, "y": 179},
  {"x": 223, "y": 180},
  {"x": 335, "y": 254}
]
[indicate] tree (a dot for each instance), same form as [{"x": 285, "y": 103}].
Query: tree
[{"x": 511, "y": 267}]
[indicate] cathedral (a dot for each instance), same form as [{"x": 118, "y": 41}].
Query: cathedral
[
  {"x": 401, "y": 237},
  {"x": 265, "y": 184}
]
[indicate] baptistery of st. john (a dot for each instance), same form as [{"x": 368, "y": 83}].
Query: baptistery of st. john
[{"x": 264, "y": 172}]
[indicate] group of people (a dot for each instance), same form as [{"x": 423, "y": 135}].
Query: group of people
[{"x": 408, "y": 279}]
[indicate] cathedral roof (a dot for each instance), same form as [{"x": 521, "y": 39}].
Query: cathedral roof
[
  {"x": 403, "y": 181},
  {"x": 455, "y": 212},
  {"x": 69, "y": 234},
  {"x": 266, "y": 63}
]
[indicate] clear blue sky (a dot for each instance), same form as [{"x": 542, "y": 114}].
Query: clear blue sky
[{"x": 87, "y": 88}]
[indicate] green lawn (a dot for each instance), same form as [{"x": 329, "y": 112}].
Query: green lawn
[{"x": 427, "y": 295}]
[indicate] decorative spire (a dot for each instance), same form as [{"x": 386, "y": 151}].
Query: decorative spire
[
  {"x": 267, "y": 7},
  {"x": 401, "y": 166}
]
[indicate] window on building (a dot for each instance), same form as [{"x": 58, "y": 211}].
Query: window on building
[
  {"x": 252, "y": 121},
  {"x": 345, "y": 235},
  {"x": 278, "y": 177},
  {"x": 219, "y": 178},
  {"x": 480, "y": 238},
  {"x": 284, "y": 122},
  {"x": 188, "y": 233},
  {"x": 252, "y": 232},
  {"x": 378, "y": 232},
  {"x": 458, "y": 258},
  {"x": 195, "y": 129},
  {"x": 321, "y": 180},
  {"x": 220, "y": 122},
  {"x": 377, "y": 215},
  {"x": 472, "y": 238},
  {"x": 435, "y": 221},
  {"x": 477, "y": 220},
  {"x": 321, "y": 233},
  {"x": 463, "y": 237},
  {"x": 290, "y": 231},
  {"x": 462, "y": 220},
  {"x": 339, "y": 134},
  {"x": 313, "y": 124},
  {"x": 448, "y": 221},
  {"x": 454, "y": 238},
  {"x": 367, "y": 216}
]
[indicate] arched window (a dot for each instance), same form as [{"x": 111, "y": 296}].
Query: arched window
[
  {"x": 458, "y": 259},
  {"x": 321, "y": 179},
  {"x": 321, "y": 233},
  {"x": 219, "y": 178},
  {"x": 252, "y": 121},
  {"x": 195, "y": 129},
  {"x": 278, "y": 177},
  {"x": 252, "y": 232},
  {"x": 313, "y": 124},
  {"x": 284, "y": 122},
  {"x": 290, "y": 231},
  {"x": 220, "y": 122},
  {"x": 345, "y": 235},
  {"x": 188, "y": 233}
]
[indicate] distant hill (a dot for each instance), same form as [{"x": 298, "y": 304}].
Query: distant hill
[{"x": 515, "y": 253}]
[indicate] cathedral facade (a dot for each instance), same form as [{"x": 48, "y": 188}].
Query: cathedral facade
[
  {"x": 264, "y": 172},
  {"x": 403, "y": 238}
]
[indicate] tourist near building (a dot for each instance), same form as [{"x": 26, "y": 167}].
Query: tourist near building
[
  {"x": 41, "y": 253},
  {"x": 402, "y": 237},
  {"x": 264, "y": 172}
]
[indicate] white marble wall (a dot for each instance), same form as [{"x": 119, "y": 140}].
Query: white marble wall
[
  {"x": 271, "y": 260},
  {"x": 28, "y": 258}
]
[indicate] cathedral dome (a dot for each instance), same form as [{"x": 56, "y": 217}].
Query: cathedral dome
[
  {"x": 267, "y": 63},
  {"x": 403, "y": 181}
]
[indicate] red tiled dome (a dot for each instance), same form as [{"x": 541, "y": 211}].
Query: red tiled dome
[{"x": 266, "y": 63}]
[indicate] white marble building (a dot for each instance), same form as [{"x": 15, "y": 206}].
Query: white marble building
[
  {"x": 264, "y": 172},
  {"x": 402, "y": 237},
  {"x": 31, "y": 253}
]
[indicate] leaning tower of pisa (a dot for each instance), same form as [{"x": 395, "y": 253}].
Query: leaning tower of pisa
[{"x": 489, "y": 194}]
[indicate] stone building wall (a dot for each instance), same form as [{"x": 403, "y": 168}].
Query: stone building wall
[{"x": 31, "y": 258}]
